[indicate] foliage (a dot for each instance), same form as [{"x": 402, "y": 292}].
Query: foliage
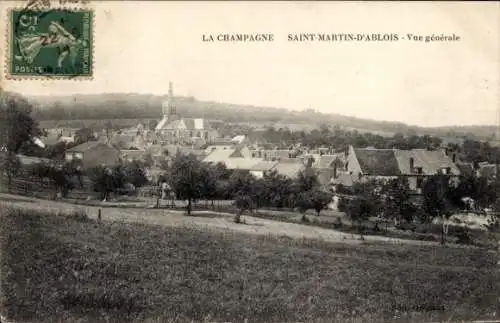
[
  {"x": 436, "y": 196},
  {"x": 10, "y": 165},
  {"x": 275, "y": 190},
  {"x": 307, "y": 180},
  {"x": 319, "y": 199},
  {"x": 437, "y": 201},
  {"x": 303, "y": 203},
  {"x": 135, "y": 174},
  {"x": 244, "y": 203},
  {"x": 478, "y": 188},
  {"x": 187, "y": 177},
  {"x": 17, "y": 127},
  {"x": 103, "y": 180},
  {"x": 367, "y": 202},
  {"x": 58, "y": 174},
  {"x": 396, "y": 200},
  {"x": 241, "y": 183}
]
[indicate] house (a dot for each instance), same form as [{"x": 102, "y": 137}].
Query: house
[
  {"x": 290, "y": 169},
  {"x": 261, "y": 168},
  {"x": 123, "y": 141},
  {"x": 133, "y": 154},
  {"x": 274, "y": 154},
  {"x": 212, "y": 148},
  {"x": 328, "y": 167},
  {"x": 173, "y": 150},
  {"x": 488, "y": 171},
  {"x": 94, "y": 153},
  {"x": 242, "y": 150},
  {"x": 233, "y": 158},
  {"x": 132, "y": 131},
  {"x": 415, "y": 165},
  {"x": 51, "y": 139},
  {"x": 29, "y": 160},
  {"x": 240, "y": 139},
  {"x": 466, "y": 169}
]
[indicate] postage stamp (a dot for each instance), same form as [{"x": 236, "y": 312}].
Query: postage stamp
[{"x": 51, "y": 43}]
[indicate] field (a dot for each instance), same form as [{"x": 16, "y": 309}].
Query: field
[{"x": 69, "y": 268}]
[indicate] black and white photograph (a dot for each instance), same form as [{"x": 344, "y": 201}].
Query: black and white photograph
[{"x": 227, "y": 161}]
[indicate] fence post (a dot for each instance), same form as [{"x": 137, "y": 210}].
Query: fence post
[
  {"x": 99, "y": 214},
  {"x": 498, "y": 263}
]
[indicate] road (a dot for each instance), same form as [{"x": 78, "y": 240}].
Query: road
[{"x": 201, "y": 219}]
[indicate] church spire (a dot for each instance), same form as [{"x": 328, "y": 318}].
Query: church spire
[{"x": 169, "y": 104}]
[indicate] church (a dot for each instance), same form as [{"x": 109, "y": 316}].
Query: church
[{"x": 173, "y": 128}]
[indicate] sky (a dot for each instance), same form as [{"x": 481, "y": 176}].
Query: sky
[{"x": 140, "y": 47}]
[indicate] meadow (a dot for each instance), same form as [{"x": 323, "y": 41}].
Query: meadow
[{"x": 69, "y": 268}]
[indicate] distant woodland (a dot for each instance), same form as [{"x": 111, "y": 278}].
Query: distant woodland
[
  {"x": 18, "y": 124},
  {"x": 143, "y": 106}
]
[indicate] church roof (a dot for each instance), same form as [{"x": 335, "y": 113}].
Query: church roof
[
  {"x": 184, "y": 123},
  {"x": 196, "y": 124}
]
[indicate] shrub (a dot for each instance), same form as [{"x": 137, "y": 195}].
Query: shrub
[{"x": 342, "y": 206}]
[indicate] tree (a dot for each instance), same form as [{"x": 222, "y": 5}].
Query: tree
[
  {"x": 244, "y": 203},
  {"x": 187, "y": 177},
  {"x": 358, "y": 209},
  {"x": 134, "y": 173},
  {"x": 319, "y": 199},
  {"x": 102, "y": 179},
  {"x": 10, "y": 165},
  {"x": 210, "y": 178},
  {"x": 274, "y": 189},
  {"x": 56, "y": 151},
  {"x": 16, "y": 124},
  {"x": 436, "y": 201},
  {"x": 59, "y": 175},
  {"x": 60, "y": 179},
  {"x": 367, "y": 202},
  {"x": 304, "y": 203},
  {"x": 307, "y": 179},
  {"x": 396, "y": 200},
  {"x": 241, "y": 183}
]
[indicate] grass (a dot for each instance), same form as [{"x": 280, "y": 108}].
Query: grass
[{"x": 67, "y": 268}]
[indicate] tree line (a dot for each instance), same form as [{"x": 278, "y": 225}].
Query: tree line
[
  {"x": 339, "y": 140},
  {"x": 441, "y": 197}
]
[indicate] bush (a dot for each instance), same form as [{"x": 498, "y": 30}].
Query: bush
[
  {"x": 463, "y": 235},
  {"x": 77, "y": 215},
  {"x": 343, "y": 202}
]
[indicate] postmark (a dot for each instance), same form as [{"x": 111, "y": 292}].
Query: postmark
[{"x": 50, "y": 43}]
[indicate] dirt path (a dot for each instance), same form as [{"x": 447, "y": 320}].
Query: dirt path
[{"x": 177, "y": 218}]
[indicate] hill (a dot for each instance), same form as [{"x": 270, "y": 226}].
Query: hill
[
  {"x": 75, "y": 269},
  {"x": 148, "y": 106}
]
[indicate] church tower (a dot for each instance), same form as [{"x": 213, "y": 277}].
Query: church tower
[{"x": 168, "y": 106}]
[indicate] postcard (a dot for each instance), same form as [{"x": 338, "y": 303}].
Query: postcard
[{"x": 244, "y": 161}]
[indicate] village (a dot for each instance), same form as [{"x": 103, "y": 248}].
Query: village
[
  {"x": 433, "y": 203},
  {"x": 156, "y": 145}
]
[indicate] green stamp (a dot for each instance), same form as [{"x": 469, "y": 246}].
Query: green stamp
[{"x": 51, "y": 43}]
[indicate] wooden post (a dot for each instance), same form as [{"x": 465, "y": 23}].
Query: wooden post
[
  {"x": 99, "y": 215},
  {"x": 498, "y": 263}
]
